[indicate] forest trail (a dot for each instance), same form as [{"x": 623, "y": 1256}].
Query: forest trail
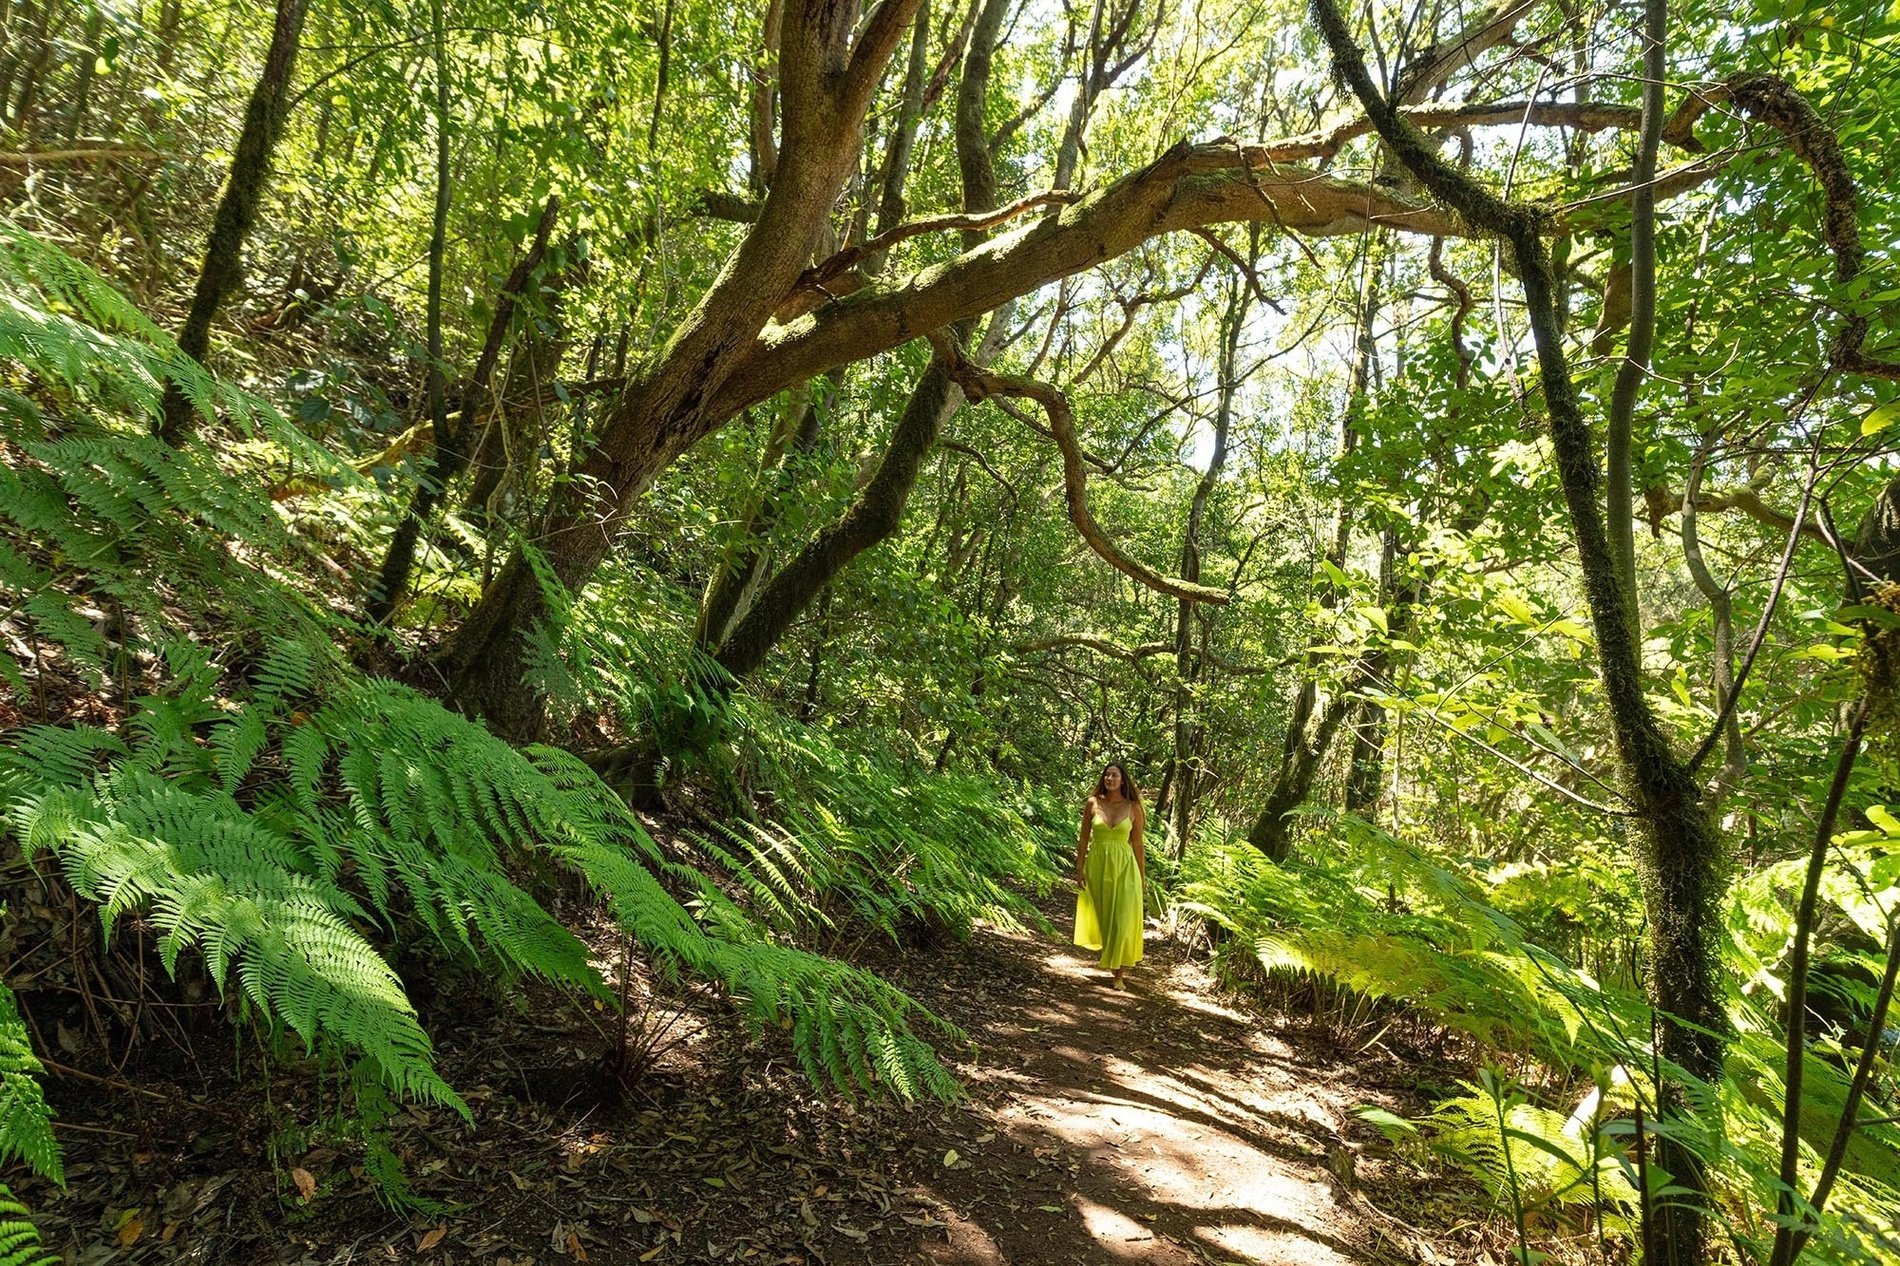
[{"x": 1156, "y": 1125}]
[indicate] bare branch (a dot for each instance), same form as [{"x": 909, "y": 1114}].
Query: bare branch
[
  {"x": 1662, "y": 503},
  {"x": 1440, "y": 62},
  {"x": 817, "y": 283},
  {"x": 83, "y": 154},
  {"x": 1247, "y": 271},
  {"x": 1584, "y": 116},
  {"x": 981, "y": 384}
]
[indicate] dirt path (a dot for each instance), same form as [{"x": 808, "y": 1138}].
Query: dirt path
[{"x": 1155, "y": 1125}]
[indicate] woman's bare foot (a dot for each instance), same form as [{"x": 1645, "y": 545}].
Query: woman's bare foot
[{"x": 1120, "y": 983}]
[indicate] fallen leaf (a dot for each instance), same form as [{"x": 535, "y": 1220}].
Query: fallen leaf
[
  {"x": 574, "y": 1248},
  {"x": 950, "y": 1158},
  {"x": 432, "y": 1239},
  {"x": 130, "y": 1230},
  {"x": 653, "y": 1252},
  {"x": 306, "y": 1183}
]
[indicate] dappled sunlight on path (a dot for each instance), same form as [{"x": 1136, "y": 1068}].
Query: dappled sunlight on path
[{"x": 1154, "y": 1125}]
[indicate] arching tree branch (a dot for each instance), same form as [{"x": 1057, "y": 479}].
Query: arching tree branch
[{"x": 979, "y": 384}]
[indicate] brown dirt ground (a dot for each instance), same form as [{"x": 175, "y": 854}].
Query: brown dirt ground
[{"x": 1160, "y": 1125}]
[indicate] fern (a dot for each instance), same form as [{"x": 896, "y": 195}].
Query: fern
[
  {"x": 1529, "y": 1155},
  {"x": 864, "y": 837},
  {"x": 20, "y": 1243},
  {"x": 383, "y": 806},
  {"x": 25, "y": 1134}
]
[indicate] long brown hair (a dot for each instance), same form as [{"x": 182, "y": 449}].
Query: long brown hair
[{"x": 1129, "y": 791}]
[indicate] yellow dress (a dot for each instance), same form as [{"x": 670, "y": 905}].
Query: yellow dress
[{"x": 1108, "y": 914}]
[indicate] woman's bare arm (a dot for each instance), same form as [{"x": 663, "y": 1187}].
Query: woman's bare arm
[
  {"x": 1135, "y": 838},
  {"x": 1082, "y": 841}
]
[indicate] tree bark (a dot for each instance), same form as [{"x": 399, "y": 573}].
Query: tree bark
[
  {"x": 1620, "y": 503},
  {"x": 237, "y": 209},
  {"x": 735, "y": 583},
  {"x": 1365, "y": 773}
]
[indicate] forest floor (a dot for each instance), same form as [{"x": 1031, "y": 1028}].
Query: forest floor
[{"x": 1158, "y": 1125}]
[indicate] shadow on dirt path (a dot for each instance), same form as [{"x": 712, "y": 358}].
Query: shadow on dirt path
[{"x": 1154, "y": 1125}]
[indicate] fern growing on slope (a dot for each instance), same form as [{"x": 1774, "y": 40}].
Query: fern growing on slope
[
  {"x": 270, "y": 809},
  {"x": 1450, "y": 953},
  {"x": 380, "y": 805}
]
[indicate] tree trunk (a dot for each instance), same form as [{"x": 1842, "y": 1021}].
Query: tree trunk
[
  {"x": 735, "y": 581},
  {"x": 1187, "y": 665},
  {"x": 1310, "y": 728},
  {"x": 825, "y": 85},
  {"x": 237, "y": 209},
  {"x": 1364, "y": 778},
  {"x": 1681, "y": 852},
  {"x": 874, "y": 516},
  {"x": 505, "y": 456},
  {"x": 451, "y": 444}
]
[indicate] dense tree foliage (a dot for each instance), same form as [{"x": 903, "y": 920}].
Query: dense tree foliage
[{"x": 1445, "y": 450}]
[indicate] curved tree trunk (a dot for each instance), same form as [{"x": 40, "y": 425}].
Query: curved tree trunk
[
  {"x": 825, "y": 85},
  {"x": 237, "y": 209}
]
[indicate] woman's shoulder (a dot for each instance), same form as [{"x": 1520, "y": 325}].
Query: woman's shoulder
[{"x": 1088, "y": 806}]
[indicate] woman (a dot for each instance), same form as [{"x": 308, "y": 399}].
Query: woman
[{"x": 1111, "y": 868}]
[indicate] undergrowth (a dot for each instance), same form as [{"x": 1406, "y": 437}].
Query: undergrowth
[
  {"x": 211, "y": 765},
  {"x": 1567, "y": 1072}
]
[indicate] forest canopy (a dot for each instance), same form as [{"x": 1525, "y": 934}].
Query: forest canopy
[{"x": 556, "y": 496}]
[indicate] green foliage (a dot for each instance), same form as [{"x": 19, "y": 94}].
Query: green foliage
[
  {"x": 20, "y": 1243},
  {"x": 291, "y": 821},
  {"x": 1383, "y": 918},
  {"x": 25, "y": 1132},
  {"x": 848, "y": 835}
]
